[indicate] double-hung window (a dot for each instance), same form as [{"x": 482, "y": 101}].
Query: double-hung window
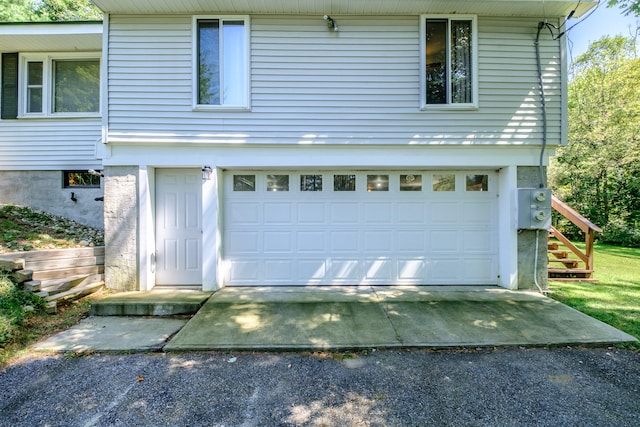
[
  {"x": 221, "y": 62},
  {"x": 449, "y": 61},
  {"x": 59, "y": 85}
]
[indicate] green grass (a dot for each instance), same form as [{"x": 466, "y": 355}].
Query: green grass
[{"x": 615, "y": 298}]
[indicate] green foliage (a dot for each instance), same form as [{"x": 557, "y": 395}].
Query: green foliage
[
  {"x": 598, "y": 172},
  {"x": 48, "y": 10},
  {"x": 617, "y": 232},
  {"x": 629, "y": 6},
  {"x": 13, "y": 307},
  {"x": 18, "y": 11},
  {"x": 70, "y": 10}
]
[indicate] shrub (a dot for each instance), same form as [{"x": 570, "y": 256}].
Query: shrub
[
  {"x": 14, "y": 303},
  {"x": 617, "y": 232}
]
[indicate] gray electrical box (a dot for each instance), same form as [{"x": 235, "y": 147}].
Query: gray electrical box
[{"x": 534, "y": 208}]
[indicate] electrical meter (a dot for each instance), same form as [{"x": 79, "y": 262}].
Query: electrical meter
[{"x": 534, "y": 208}]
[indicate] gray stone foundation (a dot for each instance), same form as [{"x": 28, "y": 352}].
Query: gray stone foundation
[
  {"x": 43, "y": 191},
  {"x": 529, "y": 177}
]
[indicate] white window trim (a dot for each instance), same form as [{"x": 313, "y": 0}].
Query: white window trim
[
  {"x": 47, "y": 60},
  {"x": 474, "y": 62},
  {"x": 194, "y": 67}
]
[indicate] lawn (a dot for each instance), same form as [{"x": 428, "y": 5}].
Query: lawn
[{"x": 615, "y": 298}]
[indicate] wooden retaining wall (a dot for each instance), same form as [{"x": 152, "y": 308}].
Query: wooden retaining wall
[{"x": 59, "y": 274}]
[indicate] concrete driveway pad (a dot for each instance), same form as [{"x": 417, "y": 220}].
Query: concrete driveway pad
[
  {"x": 365, "y": 317},
  {"x": 114, "y": 334},
  {"x": 291, "y": 325}
]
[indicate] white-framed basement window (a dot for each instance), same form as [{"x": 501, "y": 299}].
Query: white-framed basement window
[
  {"x": 448, "y": 61},
  {"x": 59, "y": 85},
  {"x": 221, "y": 62}
]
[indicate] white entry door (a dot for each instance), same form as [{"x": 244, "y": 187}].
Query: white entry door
[
  {"x": 360, "y": 228},
  {"x": 179, "y": 227}
]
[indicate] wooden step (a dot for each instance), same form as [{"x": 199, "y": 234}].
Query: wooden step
[
  {"x": 76, "y": 292},
  {"x": 56, "y": 253},
  {"x": 66, "y": 283},
  {"x": 570, "y": 274},
  {"x": 553, "y": 245},
  {"x": 67, "y": 272},
  {"x": 568, "y": 262},
  {"x": 59, "y": 263},
  {"x": 559, "y": 253},
  {"x": 569, "y": 270}
]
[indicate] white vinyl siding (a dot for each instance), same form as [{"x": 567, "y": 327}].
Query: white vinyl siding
[
  {"x": 360, "y": 85},
  {"x": 49, "y": 144}
]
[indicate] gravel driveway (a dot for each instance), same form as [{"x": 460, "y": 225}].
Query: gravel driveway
[{"x": 542, "y": 387}]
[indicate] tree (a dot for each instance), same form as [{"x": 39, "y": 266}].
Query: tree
[
  {"x": 629, "y": 6},
  {"x": 598, "y": 172},
  {"x": 70, "y": 10},
  {"x": 18, "y": 11},
  {"x": 48, "y": 10}
]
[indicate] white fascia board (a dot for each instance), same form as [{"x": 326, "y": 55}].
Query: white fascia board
[
  {"x": 44, "y": 37},
  {"x": 50, "y": 29},
  {"x": 314, "y": 157}
]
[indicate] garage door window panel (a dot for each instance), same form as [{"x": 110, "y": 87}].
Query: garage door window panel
[
  {"x": 310, "y": 182},
  {"x": 344, "y": 183},
  {"x": 445, "y": 182},
  {"x": 477, "y": 182},
  {"x": 244, "y": 183},
  {"x": 377, "y": 182},
  {"x": 277, "y": 182},
  {"x": 410, "y": 182}
]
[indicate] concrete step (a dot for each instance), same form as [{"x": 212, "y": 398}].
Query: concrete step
[{"x": 152, "y": 303}]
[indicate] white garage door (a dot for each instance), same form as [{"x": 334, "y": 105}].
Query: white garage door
[{"x": 354, "y": 228}]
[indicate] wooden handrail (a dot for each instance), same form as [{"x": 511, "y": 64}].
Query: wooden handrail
[
  {"x": 568, "y": 212},
  {"x": 573, "y": 248},
  {"x": 589, "y": 229}
]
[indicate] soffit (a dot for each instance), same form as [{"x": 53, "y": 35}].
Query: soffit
[{"x": 537, "y": 8}]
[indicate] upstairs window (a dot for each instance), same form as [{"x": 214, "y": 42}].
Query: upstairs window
[
  {"x": 221, "y": 62},
  {"x": 448, "y": 61},
  {"x": 59, "y": 85}
]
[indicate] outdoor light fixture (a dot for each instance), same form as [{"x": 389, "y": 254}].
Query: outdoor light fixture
[
  {"x": 206, "y": 172},
  {"x": 331, "y": 23}
]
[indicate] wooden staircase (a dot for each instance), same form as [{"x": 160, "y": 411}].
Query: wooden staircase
[
  {"x": 61, "y": 274},
  {"x": 566, "y": 261}
]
